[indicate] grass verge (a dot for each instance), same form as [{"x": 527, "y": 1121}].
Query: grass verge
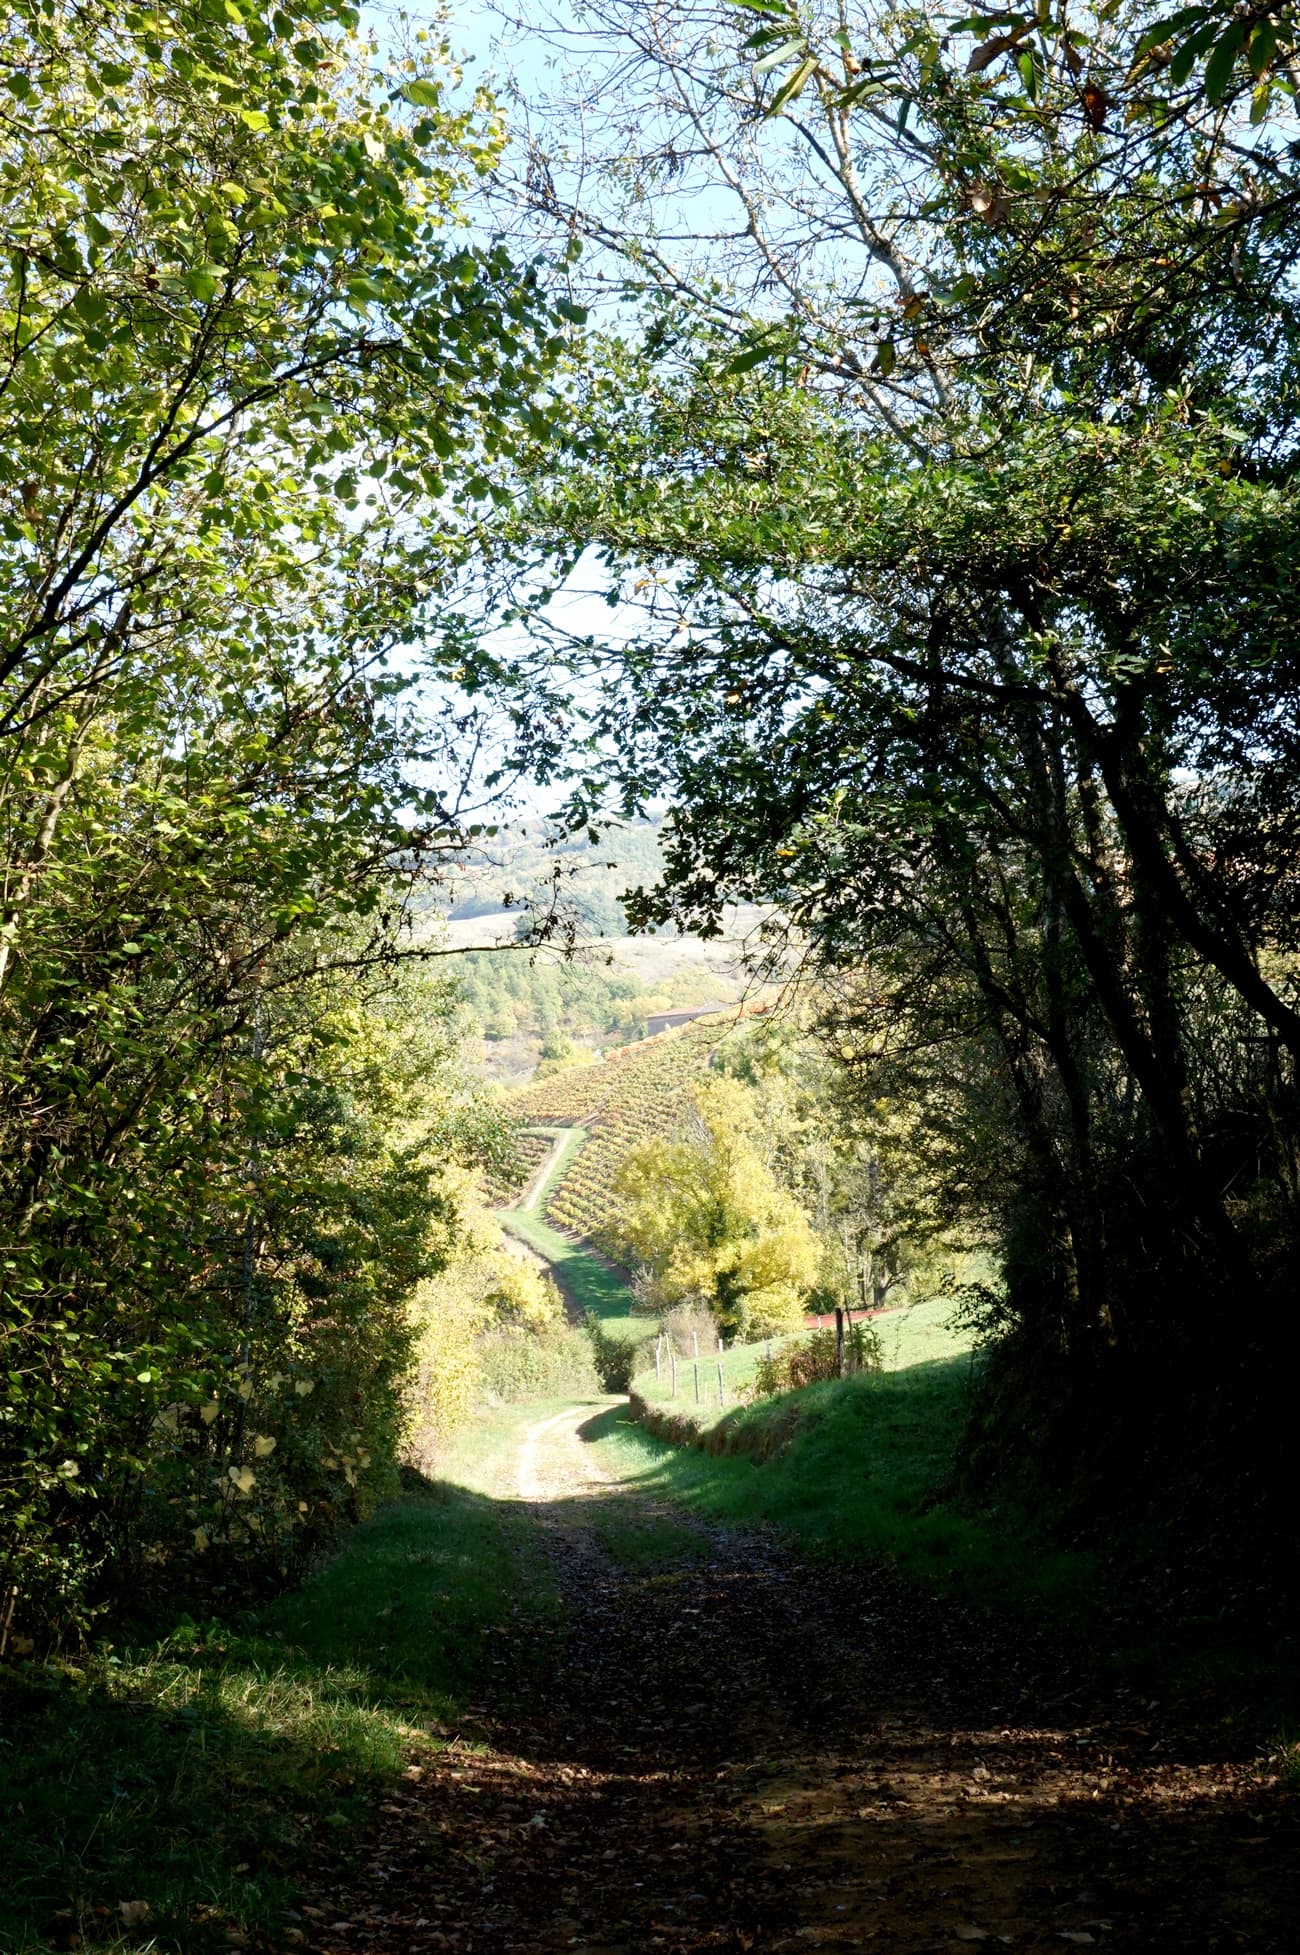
[
  {"x": 162, "y": 1795},
  {"x": 854, "y": 1469},
  {"x": 921, "y": 1334},
  {"x": 589, "y": 1282},
  {"x": 572, "y": 1140},
  {"x": 862, "y": 1470}
]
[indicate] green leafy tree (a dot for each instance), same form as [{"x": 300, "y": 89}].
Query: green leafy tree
[
  {"x": 954, "y": 474},
  {"x": 255, "y": 377},
  {"x": 864, "y": 1162}
]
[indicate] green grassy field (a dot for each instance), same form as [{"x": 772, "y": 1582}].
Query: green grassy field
[
  {"x": 588, "y": 1281},
  {"x": 919, "y": 1335},
  {"x": 853, "y": 1468},
  {"x": 188, "y": 1774},
  {"x": 739, "y": 1366}
]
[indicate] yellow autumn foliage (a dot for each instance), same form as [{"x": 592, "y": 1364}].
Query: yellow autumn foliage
[
  {"x": 485, "y": 1287},
  {"x": 707, "y": 1220}
]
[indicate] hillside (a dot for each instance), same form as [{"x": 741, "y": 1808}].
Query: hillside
[
  {"x": 517, "y": 1000},
  {"x": 530, "y": 865},
  {"x": 638, "y": 1092}
]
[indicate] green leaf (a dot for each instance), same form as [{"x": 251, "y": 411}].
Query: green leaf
[
  {"x": 90, "y": 305},
  {"x": 1263, "y": 48},
  {"x": 1188, "y": 54},
  {"x": 1165, "y": 30},
  {"x": 1219, "y": 67},
  {"x": 791, "y": 90},
  {"x": 422, "y": 94},
  {"x": 981, "y": 23},
  {"x": 785, "y": 52},
  {"x": 754, "y": 356}
]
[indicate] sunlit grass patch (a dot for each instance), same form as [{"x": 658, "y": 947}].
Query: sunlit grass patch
[
  {"x": 920, "y": 1335},
  {"x": 186, "y": 1780},
  {"x": 590, "y": 1282}
]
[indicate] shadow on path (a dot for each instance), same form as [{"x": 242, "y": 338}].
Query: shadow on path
[{"x": 733, "y": 1750}]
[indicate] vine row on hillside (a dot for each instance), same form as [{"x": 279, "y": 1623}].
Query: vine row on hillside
[{"x": 639, "y": 1092}]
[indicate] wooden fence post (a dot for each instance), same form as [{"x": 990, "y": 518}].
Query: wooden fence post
[
  {"x": 839, "y": 1339},
  {"x": 722, "y": 1396}
]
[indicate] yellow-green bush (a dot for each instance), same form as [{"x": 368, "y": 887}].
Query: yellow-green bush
[
  {"x": 708, "y": 1222},
  {"x": 488, "y": 1325}
]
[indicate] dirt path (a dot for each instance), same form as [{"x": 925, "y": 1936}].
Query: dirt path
[
  {"x": 539, "y": 1182},
  {"x": 736, "y": 1751}
]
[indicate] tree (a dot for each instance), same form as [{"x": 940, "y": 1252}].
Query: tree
[
  {"x": 708, "y": 1221},
  {"x": 254, "y": 378},
  {"x": 954, "y": 474},
  {"x": 865, "y": 1162}
]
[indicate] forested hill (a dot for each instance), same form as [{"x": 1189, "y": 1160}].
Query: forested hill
[
  {"x": 528, "y": 868},
  {"x": 588, "y": 992}
]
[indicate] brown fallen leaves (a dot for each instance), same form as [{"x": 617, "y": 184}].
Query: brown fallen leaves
[{"x": 756, "y": 1755}]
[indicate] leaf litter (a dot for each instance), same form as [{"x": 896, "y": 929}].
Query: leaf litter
[{"x": 749, "y": 1752}]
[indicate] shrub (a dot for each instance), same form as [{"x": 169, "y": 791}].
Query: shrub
[
  {"x": 814, "y": 1358},
  {"x": 489, "y": 1318},
  {"x": 517, "y": 1364},
  {"x": 617, "y": 1361},
  {"x": 688, "y": 1322}
]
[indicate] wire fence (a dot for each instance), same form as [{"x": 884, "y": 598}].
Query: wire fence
[{"x": 702, "y": 1377}]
